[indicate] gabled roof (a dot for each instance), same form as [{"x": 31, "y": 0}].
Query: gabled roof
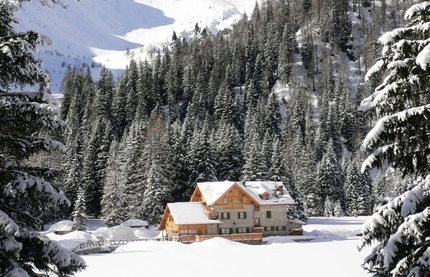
[
  {"x": 256, "y": 188},
  {"x": 190, "y": 213},
  {"x": 212, "y": 191}
]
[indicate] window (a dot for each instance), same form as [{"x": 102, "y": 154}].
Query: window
[
  {"x": 225, "y": 231},
  {"x": 225, "y": 215},
  {"x": 268, "y": 214},
  {"x": 241, "y": 215},
  {"x": 257, "y": 208},
  {"x": 257, "y": 221},
  {"x": 284, "y": 228},
  {"x": 240, "y": 200},
  {"x": 241, "y": 230},
  {"x": 277, "y": 228},
  {"x": 225, "y": 201},
  {"x": 268, "y": 228},
  {"x": 183, "y": 232}
]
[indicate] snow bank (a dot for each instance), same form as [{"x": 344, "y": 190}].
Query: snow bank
[
  {"x": 144, "y": 232},
  {"x": 134, "y": 223},
  {"x": 149, "y": 246},
  {"x": 71, "y": 240},
  {"x": 61, "y": 226},
  {"x": 219, "y": 243},
  {"x": 115, "y": 233},
  {"x": 334, "y": 228}
]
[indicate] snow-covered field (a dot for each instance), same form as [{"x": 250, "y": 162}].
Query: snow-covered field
[{"x": 333, "y": 252}]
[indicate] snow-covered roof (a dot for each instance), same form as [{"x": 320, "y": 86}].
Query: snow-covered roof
[
  {"x": 190, "y": 213},
  {"x": 256, "y": 188},
  {"x": 212, "y": 191}
]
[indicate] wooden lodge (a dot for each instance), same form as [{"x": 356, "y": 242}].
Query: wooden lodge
[{"x": 239, "y": 212}]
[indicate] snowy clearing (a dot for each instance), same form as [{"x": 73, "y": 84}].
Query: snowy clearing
[{"x": 333, "y": 252}]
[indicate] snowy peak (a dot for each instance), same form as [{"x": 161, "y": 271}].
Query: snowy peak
[{"x": 112, "y": 32}]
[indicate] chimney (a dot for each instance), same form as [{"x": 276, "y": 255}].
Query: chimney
[{"x": 280, "y": 191}]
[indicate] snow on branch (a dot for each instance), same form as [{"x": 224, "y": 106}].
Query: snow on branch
[
  {"x": 26, "y": 181},
  {"x": 10, "y": 245},
  {"x": 374, "y": 135},
  {"x": 376, "y": 68},
  {"x": 416, "y": 9},
  {"x": 398, "y": 213},
  {"x": 11, "y": 4},
  {"x": 17, "y": 271},
  {"x": 377, "y": 97},
  {"x": 60, "y": 256},
  {"x": 423, "y": 58},
  {"x": 411, "y": 231},
  {"x": 8, "y": 225}
]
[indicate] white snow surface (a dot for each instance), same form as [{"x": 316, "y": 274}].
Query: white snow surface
[
  {"x": 111, "y": 32},
  {"x": 332, "y": 252}
]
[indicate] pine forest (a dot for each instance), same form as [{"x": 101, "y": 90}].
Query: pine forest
[
  {"x": 272, "y": 98},
  {"x": 329, "y": 97}
]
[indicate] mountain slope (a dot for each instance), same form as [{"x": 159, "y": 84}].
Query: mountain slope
[{"x": 111, "y": 32}]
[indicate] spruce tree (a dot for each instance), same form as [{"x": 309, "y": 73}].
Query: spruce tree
[
  {"x": 229, "y": 152},
  {"x": 308, "y": 184},
  {"x": 79, "y": 212},
  {"x": 158, "y": 185},
  {"x": 280, "y": 172},
  {"x": 330, "y": 176},
  {"x": 113, "y": 202},
  {"x": 200, "y": 159},
  {"x": 399, "y": 231},
  {"x": 28, "y": 125}
]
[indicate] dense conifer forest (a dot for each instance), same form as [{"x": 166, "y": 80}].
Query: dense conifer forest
[{"x": 273, "y": 98}]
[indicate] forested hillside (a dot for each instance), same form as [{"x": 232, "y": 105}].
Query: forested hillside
[{"x": 273, "y": 98}]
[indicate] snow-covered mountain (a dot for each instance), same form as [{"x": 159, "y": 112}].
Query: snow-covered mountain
[{"x": 111, "y": 32}]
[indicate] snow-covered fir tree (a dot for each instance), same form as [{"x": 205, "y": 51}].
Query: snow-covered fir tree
[
  {"x": 330, "y": 177},
  {"x": 358, "y": 195},
  {"x": 79, "y": 212},
  {"x": 28, "y": 125},
  {"x": 280, "y": 172},
  {"x": 113, "y": 201},
  {"x": 399, "y": 231}
]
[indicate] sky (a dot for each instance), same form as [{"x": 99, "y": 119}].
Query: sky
[{"x": 332, "y": 251}]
